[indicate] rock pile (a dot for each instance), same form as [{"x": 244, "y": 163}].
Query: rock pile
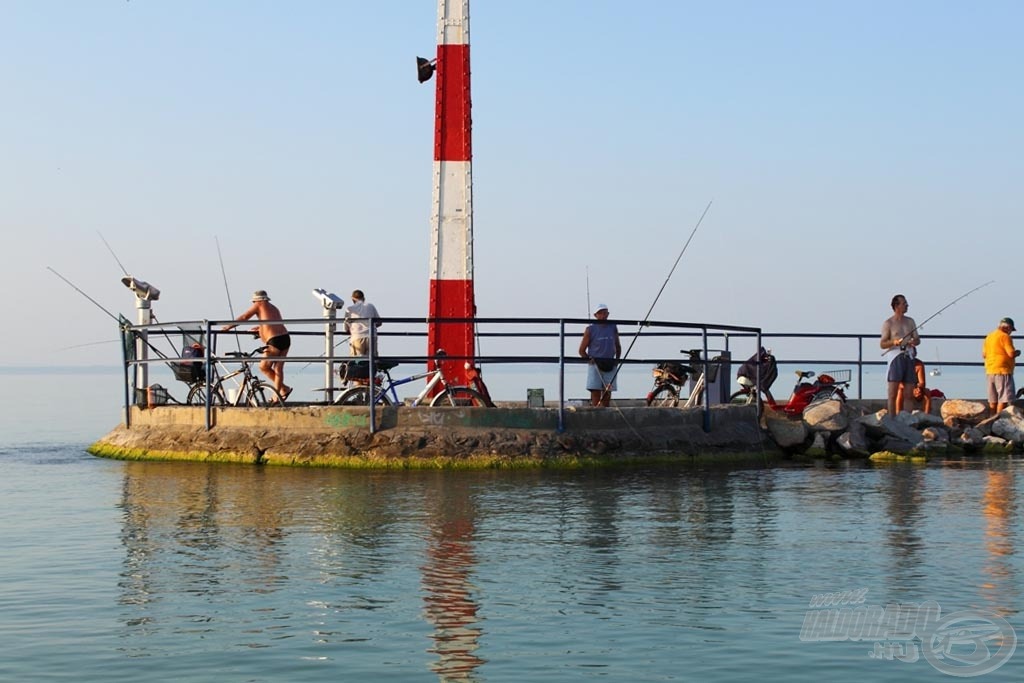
[{"x": 834, "y": 428}]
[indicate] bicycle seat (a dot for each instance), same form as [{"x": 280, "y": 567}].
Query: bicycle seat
[
  {"x": 805, "y": 374},
  {"x": 363, "y": 364}
]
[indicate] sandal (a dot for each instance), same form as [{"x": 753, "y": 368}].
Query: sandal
[{"x": 286, "y": 393}]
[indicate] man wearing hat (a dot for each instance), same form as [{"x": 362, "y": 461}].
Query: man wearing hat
[
  {"x": 1000, "y": 357},
  {"x": 273, "y": 334},
  {"x": 600, "y": 345}
]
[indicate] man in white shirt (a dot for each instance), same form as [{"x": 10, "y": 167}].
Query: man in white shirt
[{"x": 358, "y": 317}]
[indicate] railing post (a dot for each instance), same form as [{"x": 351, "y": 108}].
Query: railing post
[
  {"x": 208, "y": 368},
  {"x": 127, "y": 380},
  {"x": 561, "y": 376},
  {"x": 370, "y": 363},
  {"x": 706, "y": 389},
  {"x": 860, "y": 367}
]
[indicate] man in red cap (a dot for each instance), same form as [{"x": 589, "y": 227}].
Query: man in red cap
[{"x": 1000, "y": 357}]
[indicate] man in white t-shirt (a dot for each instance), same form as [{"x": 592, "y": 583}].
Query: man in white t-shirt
[{"x": 358, "y": 318}]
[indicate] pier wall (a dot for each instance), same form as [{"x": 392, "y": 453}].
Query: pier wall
[{"x": 320, "y": 435}]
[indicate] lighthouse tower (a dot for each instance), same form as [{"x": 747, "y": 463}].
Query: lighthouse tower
[{"x": 451, "y": 221}]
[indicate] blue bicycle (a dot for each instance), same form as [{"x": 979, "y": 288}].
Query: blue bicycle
[{"x": 383, "y": 387}]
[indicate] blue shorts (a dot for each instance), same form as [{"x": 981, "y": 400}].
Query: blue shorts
[
  {"x": 901, "y": 369},
  {"x": 598, "y": 381}
]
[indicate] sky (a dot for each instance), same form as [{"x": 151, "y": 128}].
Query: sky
[{"x": 850, "y": 151}]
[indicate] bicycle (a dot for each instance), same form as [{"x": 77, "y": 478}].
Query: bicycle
[
  {"x": 252, "y": 391},
  {"x": 670, "y": 376},
  {"x": 383, "y": 387}
]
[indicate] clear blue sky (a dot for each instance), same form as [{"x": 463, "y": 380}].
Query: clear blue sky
[{"x": 852, "y": 150}]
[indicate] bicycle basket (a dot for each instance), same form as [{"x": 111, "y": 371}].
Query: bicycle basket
[
  {"x": 670, "y": 368},
  {"x": 834, "y": 377},
  {"x": 189, "y": 372}
]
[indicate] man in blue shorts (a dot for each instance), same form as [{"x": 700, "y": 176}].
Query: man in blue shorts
[{"x": 900, "y": 339}]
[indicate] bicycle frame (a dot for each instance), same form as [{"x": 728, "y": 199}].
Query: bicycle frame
[{"x": 389, "y": 389}]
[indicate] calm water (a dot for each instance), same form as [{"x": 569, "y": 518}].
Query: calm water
[{"x": 118, "y": 571}]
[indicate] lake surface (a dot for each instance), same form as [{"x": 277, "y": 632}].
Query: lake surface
[{"x": 118, "y": 571}]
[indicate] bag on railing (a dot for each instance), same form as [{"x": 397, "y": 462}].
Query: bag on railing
[{"x": 189, "y": 372}]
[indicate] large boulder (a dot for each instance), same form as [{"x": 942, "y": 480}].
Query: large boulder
[
  {"x": 785, "y": 431},
  {"x": 826, "y": 416},
  {"x": 961, "y": 410},
  {"x": 882, "y": 425},
  {"x": 854, "y": 441},
  {"x": 972, "y": 438},
  {"x": 1009, "y": 425}
]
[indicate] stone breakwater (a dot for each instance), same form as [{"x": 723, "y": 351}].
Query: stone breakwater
[
  {"x": 514, "y": 436},
  {"x": 866, "y": 429},
  {"x": 439, "y": 437}
]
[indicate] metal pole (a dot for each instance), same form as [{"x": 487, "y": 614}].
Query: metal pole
[
  {"x": 330, "y": 315},
  {"x": 207, "y": 395},
  {"x": 373, "y": 376},
  {"x": 705, "y": 389},
  {"x": 561, "y": 376},
  {"x": 145, "y": 317},
  {"x": 127, "y": 381},
  {"x": 860, "y": 368}
]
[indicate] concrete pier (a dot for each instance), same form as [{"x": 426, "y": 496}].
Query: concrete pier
[{"x": 405, "y": 437}]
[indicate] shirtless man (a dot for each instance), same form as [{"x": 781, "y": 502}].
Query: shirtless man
[
  {"x": 272, "y": 333},
  {"x": 900, "y": 339}
]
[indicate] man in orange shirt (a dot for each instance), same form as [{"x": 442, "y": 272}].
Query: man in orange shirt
[{"x": 1000, "y": 358}]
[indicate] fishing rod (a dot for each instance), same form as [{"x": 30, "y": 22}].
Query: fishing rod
[
  {"x": 936, "y": 313},
  {"x": 122, "y": 322},
  {"x": 589, "y": 312},
  {"x": 123, "y": 269},
  {"x": 119, "y": 319},
  {"x": 227, "y": 291},
  {"x": 660, "y": 292}
]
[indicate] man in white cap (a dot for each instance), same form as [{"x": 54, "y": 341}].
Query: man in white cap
[
  {"x": 273, "y": 334},
  {"x": 1000, "y": 358},
  {"x": 600, "y": 345}
]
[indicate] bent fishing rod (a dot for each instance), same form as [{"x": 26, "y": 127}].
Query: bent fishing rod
[
  {"x": 122, "y": 322},
  {"x": 654, "y": 303},
  {"x": 936, "y": 313}
]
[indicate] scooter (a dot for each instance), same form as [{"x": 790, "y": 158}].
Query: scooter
[{"x": 827, "y": 386}]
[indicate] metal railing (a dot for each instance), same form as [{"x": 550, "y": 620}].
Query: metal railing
[
  {"x": 512, "y": 341},
  {"x": 532, "y": 338}
]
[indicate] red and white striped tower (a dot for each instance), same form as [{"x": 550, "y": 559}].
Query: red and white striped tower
[{"x": 451, "y": 221}]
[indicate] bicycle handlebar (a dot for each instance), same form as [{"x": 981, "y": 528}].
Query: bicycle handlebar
[{"x": 245, "y": 354}]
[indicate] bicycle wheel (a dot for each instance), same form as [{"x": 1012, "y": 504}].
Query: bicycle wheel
[
  {"x": 360, "y": 396},
  {"x": 459, "y": 397},
  {"x": 197, "y": 396},
  {"x": 742, "y": 397},
  {"x": 262, "y": 394},
  {"x": 664, "y": 396}
]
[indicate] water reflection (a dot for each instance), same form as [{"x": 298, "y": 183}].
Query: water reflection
[
  {"x": 448, "y": 591},
  {"x": 1000, "y": 590},
  {"x": 903, "y": 485},
  {"x": 586, "y": 569}
]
